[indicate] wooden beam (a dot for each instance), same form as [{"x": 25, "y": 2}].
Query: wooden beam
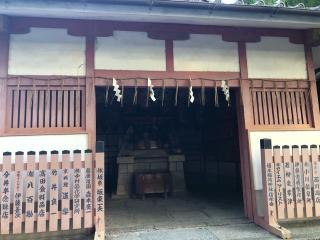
[{"x": 4, "y": 58}]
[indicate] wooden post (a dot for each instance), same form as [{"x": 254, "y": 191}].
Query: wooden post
[
  {"x": 245, "y": 86},
  {"x": 245, "y": 121},
  {"x": 246, "y": 170},
  {"x": 99, "y": 192},
  {"x": 90, "y": 110},
  {"x": 313, "y": 87},
  {"x": 4, "y": 56}
]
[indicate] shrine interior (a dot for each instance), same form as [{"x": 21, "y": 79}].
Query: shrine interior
[
  {"x": 196, "y": 144},
  {"x": 202, "y": 134}
]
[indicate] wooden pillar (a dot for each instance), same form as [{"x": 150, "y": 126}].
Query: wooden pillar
[
  {"x": 4, "y": 56},
  {"x": 169, "y": 55},
  {"x": 90, "y": 93},
  {"x": 245, "y": 120},
  {"x": 313, "y": 86}
]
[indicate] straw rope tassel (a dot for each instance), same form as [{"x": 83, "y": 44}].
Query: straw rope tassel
[
  {"x": 216, "y": 96},
  {"x": 106, "y": 100},
  {"x": 203, "y": 94},
  {"x": 163, "y": 92},
  {"x": 176, "y": 96},
  {"x": 135, "y": 97}
]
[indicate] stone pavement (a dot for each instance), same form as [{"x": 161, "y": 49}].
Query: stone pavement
[
  {"x": 187, "y": 217},
  {"x": 180, "y": 218}
]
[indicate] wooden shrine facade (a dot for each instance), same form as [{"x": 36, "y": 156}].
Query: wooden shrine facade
[{"x": 37, "y": 104}]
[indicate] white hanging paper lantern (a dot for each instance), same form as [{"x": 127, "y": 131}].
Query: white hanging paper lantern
[
  {"x": 116, "y": 89},
  {"x": 151, "y": 92}
]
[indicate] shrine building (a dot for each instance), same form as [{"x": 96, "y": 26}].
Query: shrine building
[{"x": 106, "y": 103}]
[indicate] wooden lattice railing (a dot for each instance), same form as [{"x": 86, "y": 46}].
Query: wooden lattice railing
[
  {"x": 58, "y": 192},
  {"x": 281, "y": 106},
  {"x": 291, "y": 184},
  {"x": 44, "y": 105}
]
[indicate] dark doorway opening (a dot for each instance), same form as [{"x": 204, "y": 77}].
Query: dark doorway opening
[{"x": 207, "y": 135}]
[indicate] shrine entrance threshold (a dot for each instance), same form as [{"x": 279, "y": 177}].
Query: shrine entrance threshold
[{"x": 170, "y": 163}]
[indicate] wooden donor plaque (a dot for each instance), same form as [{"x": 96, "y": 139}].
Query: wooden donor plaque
[{"x": 268, "y": 179}]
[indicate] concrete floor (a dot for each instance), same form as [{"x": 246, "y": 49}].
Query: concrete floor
[{"x": 188, "y": 217}]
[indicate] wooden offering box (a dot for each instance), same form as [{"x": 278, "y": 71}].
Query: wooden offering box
[{"x": 152, "y": 182}]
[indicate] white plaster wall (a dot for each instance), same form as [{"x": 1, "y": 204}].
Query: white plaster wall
[
  {"x": 316, "y": 56},
  {"x": 276, "y": 57},
  {"x": 43, "y": 142},
  {"x": 130, "y": 51},
  {"x": 206, "y": 53},
  {"x": 46, "y": 51},
  {"x": 278, "y": 138}
]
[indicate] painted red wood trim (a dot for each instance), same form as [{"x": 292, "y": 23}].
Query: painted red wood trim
[
  {"x": 169, "y": 56},
  {"x": 245, "y": 121},
  {"x": 104, "y": 28},
  {"x": 4, "y": 59},
  {"x": 42, "y": 81},
  {"x": 157, "y": 35},
  {"x": 240, "y": 35},
  {"x": 90, "y": 92},
  {"x": 313, "y": 86},
  {"x": 166, "y": 75}
]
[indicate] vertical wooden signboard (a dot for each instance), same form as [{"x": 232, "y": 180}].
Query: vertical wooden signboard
[
  {"x": 307, "y": 180},
  {"x": 77, "y": 165},
  {"x": 279, "y": 181},
  {"x": 316, "y": 178},
  {"x": 42, "y": 191},
  {"x": 30, "y": 192},
  {"x": 53, "y": 215},
  {"x": 17, "y": 195},
  {"x": 65, "y": 193},
  {"x": 289, "y": 181},
  {"x": 99, "y": 191},
  {"x": 298, "y": 181},
  {"x": 5, "y": 193},
  {"x": 88, "y": 200},
  {"x": 268, "y": 180}
]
